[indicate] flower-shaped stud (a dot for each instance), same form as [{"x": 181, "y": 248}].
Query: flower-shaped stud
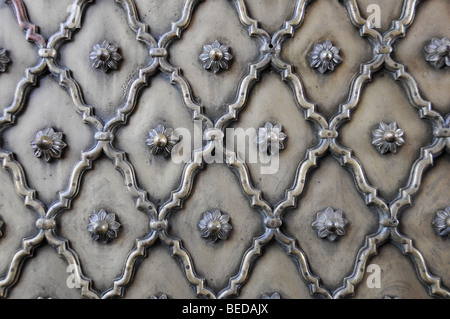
[
  {"x": 163, "y": 296},
  {"x": 214, "y": 225},
  {"x": 270, "y": 138},
  {"x": 105, "y": 56},
  {"x": 48, "y": 144},
  {"x": 442, "y": 221},
  {"x": 275, "y": 295},
  {"x": 1, "y": 228},
  {"x": 438, "y": 52},
  {"x": 103, "y": 226},
  {"x": 330, "y": 224},
  {"x": 387, "y": 137},
  {"x": 215, "y": 56},
  {"x": 4, "y": 60},
  {"x": 324, "y": 56},
  {"x": 161, "y": 140}
]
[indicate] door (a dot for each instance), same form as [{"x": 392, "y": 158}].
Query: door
[{"x": 224, "y": 149}]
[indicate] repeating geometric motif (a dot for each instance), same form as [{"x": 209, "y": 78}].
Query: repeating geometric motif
[{"x": 270, "y": 58}]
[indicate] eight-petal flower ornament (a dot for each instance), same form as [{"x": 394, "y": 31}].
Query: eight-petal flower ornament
[
  {"x": 161, "y": 140},
  {"x": 442, "y": 221},
  {"x": 438, "y": 52},
  {"x": 4, "y": 60},
  {"x": 214, "y": 225},
  {"x": 387, "y": 137},
  {"x": 330, "y": 224},
  {"x": 105, "y": 56},
  {"x": 48, "y": 144},
  {"x": 215, "y": 56},
  {"x": 103, "y": 226},
  {"x": 270, "y": 137},
  {"x": 324, "y": 56}
]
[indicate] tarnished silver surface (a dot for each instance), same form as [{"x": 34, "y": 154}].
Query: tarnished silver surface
[{"x": 390, "y": 200}]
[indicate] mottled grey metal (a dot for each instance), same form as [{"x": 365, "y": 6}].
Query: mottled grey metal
[{"x": 112, "y": 163}]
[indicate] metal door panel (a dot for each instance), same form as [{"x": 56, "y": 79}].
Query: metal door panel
[{"x": 224, "y": 149}]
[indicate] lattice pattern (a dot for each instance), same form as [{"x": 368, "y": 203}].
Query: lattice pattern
[{"x": 327, "y": 131}]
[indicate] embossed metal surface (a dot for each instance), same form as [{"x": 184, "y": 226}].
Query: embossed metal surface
[{"x": 115, "y": 77}]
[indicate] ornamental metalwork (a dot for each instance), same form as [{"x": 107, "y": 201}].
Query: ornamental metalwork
[
  {"x": 388, "y": 137},
  {"x": 163, "y": 296},
  {"x": 275, "y": 295},
  {"x": 161, "y": 140},
  {"x": 103, "y": 226},
  {"x": 105, "y": 56},
  {"x": 4, "y": 60},
  {"x": 215, "y": 56},
  {"x": 48, "y": 144},
  {"x": 442, "y": 221},
  {"x": 438, "y": 52},
  {"x": 270, "y": 138},
  {"x": 324, "y": 57},
  {"x": 214, "y": 225},
  {"x": 330, "y": 224},
  {"x": 111, "y": 131}
]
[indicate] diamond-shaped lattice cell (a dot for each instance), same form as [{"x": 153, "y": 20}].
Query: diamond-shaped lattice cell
[
  {"x": 101, "y": 254},
  {"x": 416, "y": 222},
  {"x": 48, "y": 106},
  {"x": 104, "y": 21},
  {"x": 48, "y": 14},
  {"x": 159, "y": 15},
  {"x": 391, "y": 276},
  {"x": 270, "y": 14},
  {"x": 160, "y": 173},
  {"x": 38, "y": 280},
  {"x": 285, "y": 277},
  {"x": 151, "y": 277},
  {"x": 327, "y": 20},
  {"x": 331, "y": 186},
  {"x": 381, "y": 12},
  {"x": 411, "y": 52},
  {"x": 214, "y": 20},
  {"x": 21, "y": 54},
  {"x": 218, "y": 260},
  {"x": 384, "y": 101},
  {"x": 16, "y": 221},
  {"x": 272, "y": 101}
]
